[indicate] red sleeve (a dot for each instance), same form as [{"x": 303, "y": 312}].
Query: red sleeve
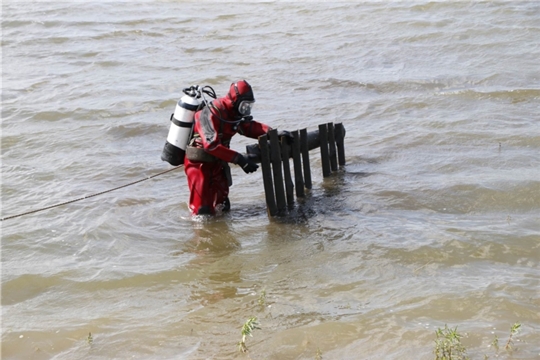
[
  {"x": 223, "y": 153},
  {"x": 205, "y": 126},
  {"x": 253, "y": 129}
]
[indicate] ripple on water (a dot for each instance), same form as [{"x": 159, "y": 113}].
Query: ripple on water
[{"x": 432, "y": 221}]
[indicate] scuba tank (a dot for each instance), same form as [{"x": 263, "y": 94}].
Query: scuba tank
[{"x": 181, "y": 126}]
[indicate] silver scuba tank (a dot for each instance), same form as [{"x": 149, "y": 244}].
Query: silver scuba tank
[{"x": 179, "y": 135}]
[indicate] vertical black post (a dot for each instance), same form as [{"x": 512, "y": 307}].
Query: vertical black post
[
  {"x": 340, "y": 140},
  {"x": 267, "y": 176},
  {"x": 285, "y": 155},
  {"x": 332, "y": 147},
  {"x": 275, "y": 157},
  {"x": 323, "y": 137},
  {"x": 297, "y": 163},
  {"x": 305, "y": 157}
]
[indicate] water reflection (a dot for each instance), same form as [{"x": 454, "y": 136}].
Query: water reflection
[
  {"x": 212, "y": 235},
  {"x": 217, "y": 275}
]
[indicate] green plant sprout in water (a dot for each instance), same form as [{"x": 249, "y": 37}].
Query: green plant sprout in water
[
  {"x": 90, "y": 339},
  {"x": 495, "y": 344},
  {"x": 448, "y": 345},
  {"x": 513, "y": 331},
  {"x": 262, "y": 299},
  {"x": 250, "y": 325}
]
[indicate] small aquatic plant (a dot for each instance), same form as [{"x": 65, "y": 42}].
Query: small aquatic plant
[
  {"x": 262, "y": 299},
  {"x": 448, "y": 345},
  {"x": 495, "y": 344},
  {"x": 509, "y": 344},
  {"x": 247, "y": 329},
  {"x": 513, "y": 331}
]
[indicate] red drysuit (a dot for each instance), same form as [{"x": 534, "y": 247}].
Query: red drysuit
[{"x": 214, "y": 126}]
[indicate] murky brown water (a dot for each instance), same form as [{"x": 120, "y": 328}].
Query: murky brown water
[{"x": 434, "y": 220}]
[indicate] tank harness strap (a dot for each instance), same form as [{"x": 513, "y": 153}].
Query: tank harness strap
[
  {"x": 195, "y": 153},
  {"x": 199, "y": 155}
]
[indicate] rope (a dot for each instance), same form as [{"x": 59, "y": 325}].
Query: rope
[{"x": 89, "y": 196}]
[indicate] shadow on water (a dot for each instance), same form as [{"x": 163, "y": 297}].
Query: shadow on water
[
  {"x": 215, "y": 238},
  {"x": 328, "y": 197}
]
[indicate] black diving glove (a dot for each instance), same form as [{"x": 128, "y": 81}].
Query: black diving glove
[
  {"x": 246, "y": 164},
  {"x": 287, "y": 135}
]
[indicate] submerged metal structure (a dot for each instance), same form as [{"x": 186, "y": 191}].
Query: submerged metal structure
[{"x": 274, "y": 154}]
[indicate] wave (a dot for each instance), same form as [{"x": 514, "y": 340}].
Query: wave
[{"x": 513, "y": 95}]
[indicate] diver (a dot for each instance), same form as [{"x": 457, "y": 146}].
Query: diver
[{"x": 208, "y": 154}]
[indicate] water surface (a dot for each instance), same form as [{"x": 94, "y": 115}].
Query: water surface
[{"x": 434, "y": 220}]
